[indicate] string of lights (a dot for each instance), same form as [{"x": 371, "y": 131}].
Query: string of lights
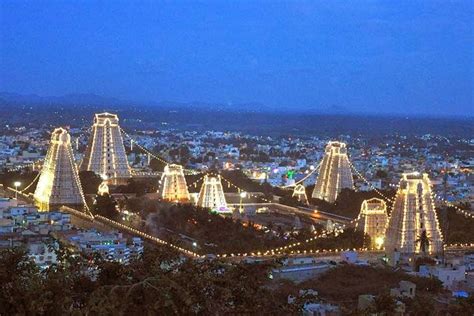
[
  {"x": 148, "y": 236},
  {"x": 31, "y": 165},
  {"x": 32, "y": 182},
  {"x": 299, "y": 252},
  {"x": 143, "y": 148},
  {"x": 78, "y": 181},
  {"x": 162, "y": 160},
  {"x": 370, "y": 184},
  {"x": 303, "y": 179},
  {"x": 282, "y": 249},
  {"x": 200, "y": 179},
  {"x": 243, "y": 190},
  {"x": 457, "y": 208}
]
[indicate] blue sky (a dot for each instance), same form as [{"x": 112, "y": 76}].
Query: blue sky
[{"x": 364, "y": 56}]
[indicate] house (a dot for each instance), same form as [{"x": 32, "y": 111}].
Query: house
[
  {"x": 450, "y": 275},
  {"x": 43, "y": 255},
  {"x": 320, "y": 309},
  {"x": 300, "y": 269},
  {"x": 405, "y": 289}
]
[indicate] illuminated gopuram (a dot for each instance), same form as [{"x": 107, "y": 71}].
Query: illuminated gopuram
[
  {"x": 105, "y": 154},
  {"x": 373, "y": 220},
  {"x": 212, "y": 195},
  {"x": 300, "y": 193},
  {"x": 59, "y": 182},
  {"x": 173, "y": 186},
  {"x": 335, "y": 173},
  {"x": 413, "y": 212}
]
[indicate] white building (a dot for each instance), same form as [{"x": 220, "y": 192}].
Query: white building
[{"x": 450, "y": 275}]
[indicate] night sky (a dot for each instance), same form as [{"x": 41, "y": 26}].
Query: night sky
[{"x": 413, "y": 57}]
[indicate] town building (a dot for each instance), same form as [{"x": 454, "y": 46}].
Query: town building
[{"x": 112, "y": 246}]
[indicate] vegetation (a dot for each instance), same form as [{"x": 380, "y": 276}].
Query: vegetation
[
  {"x": 227, "y": 234},
  {"x": 138, "y": 186},
  {"x": 456, "y": 227},
  {"x": 290, "y": 200},
  {"x": 163, "y": 283},
  {"x": 348, "y": 202},
  {"x": 90, "y": 181},
  {"x": 344, "y": 284},
  {"x": 424, "y": 241},
  {"x": 462, "y": 306},
  {"x": 105, "y": 205},
  {"x": 157, "y": 284}
]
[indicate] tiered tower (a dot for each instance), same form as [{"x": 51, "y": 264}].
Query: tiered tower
[
  {"x": 413, "y": 212},
  {"x": 335, "y": 173},
  {"x": 212, "y": 195},
  {"x": 173, "y": 184},
  {"x": 300, "y": 193},
  {"x": 59, "y": 182},
  {"x": 373, "y": 220},
  {"x": 105, "y": 153}
]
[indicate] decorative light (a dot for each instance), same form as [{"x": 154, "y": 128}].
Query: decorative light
[
  {"x": 379, "y": 242},
  {"x": 17, "y": 185}
]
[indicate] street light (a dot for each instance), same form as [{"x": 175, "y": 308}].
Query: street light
[
  {"x": 16, "y": 184},
  {"x": 242, "y": 195}
]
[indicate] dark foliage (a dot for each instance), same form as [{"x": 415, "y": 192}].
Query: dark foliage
[
  {"x": 456, "y": 227},
  {"x": 90, "y": 181},
  {"x": 138, "y": 186},
  {"x": 105, "y": 205},
  {"x": 227, "y": 234},
  {"x": 348, "y": 202},
  {"x": 158, "y": 284}
]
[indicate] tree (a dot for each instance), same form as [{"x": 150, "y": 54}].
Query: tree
[
  {"x": 139, "y": 187},
  {"x": 421, "y": 305},
  {"x": 106, "y": 206},
  {"x": 424, "y": 241},
  {"x": 90, "y": 181},
  {"x": 384, "y": 304},
  {"x": 19, "y": 279},
  {"x": 462, "y": 306}
]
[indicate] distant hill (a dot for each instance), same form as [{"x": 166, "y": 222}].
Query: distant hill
[
  {"x": 77, "y": 110},
  {"x": 94, "y": 100}
]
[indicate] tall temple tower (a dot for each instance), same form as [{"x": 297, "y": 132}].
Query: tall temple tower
[
  {"x": 335, "y": 173},
  {"x": 105, "y": 153},
  {"x": 212, "y": 195},
  {"x": 59, "y": 182},
  {"x": 173, "y": 184},
  {"x": 413, "y": 212},
  {"x": 373, "y": 220}
]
